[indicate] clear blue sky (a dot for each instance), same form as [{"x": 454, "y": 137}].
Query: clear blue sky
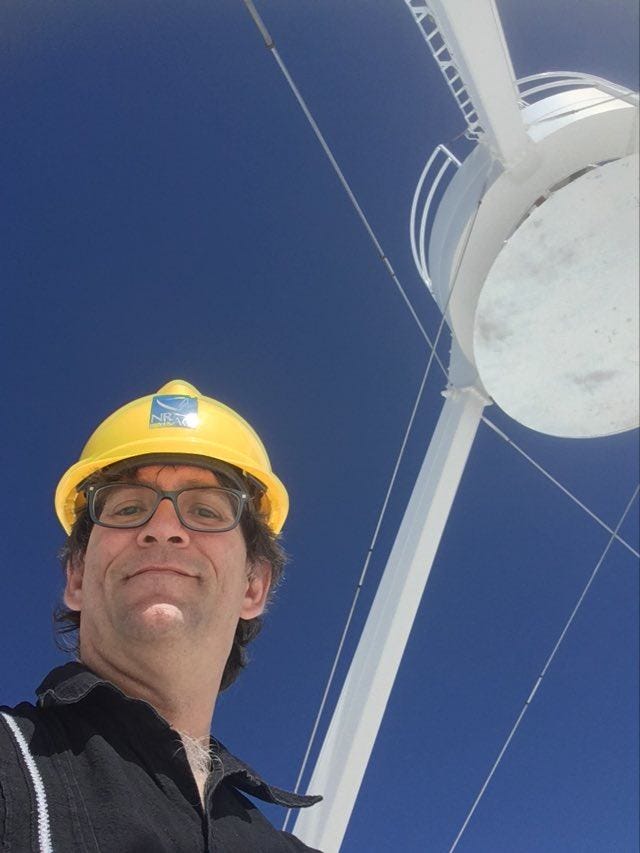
[{"x": 168, "y": 213}]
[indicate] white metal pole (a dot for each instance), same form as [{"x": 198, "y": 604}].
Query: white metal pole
[{"x": 349, "y": 741}]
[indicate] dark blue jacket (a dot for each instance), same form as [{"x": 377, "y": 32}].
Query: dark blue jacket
[{"x": 91, "y": 770}]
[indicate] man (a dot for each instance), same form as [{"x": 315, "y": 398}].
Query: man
[{"x": 172, "y": 515}]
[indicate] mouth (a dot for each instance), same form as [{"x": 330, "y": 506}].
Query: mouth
[{"x": 161, "y": 570}]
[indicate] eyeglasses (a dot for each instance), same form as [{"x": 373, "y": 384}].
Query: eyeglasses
[{"x": 203, "y": 508}]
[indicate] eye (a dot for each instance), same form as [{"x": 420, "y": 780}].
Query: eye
[
  {"x": 205, "y": 511},
  {"x": 208, "y": 508},
  {"x": 128, "y": 510},
  {"x": 121, "y": 504}
]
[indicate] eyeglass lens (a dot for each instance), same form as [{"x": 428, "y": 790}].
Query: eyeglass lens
[{"x": 199, "y": 508}]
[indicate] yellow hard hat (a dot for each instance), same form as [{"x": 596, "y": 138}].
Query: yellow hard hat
[{"x": 176, "y": 420}]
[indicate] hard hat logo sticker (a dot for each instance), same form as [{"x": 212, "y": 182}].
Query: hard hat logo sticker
[{"x": 170, "y": 410}]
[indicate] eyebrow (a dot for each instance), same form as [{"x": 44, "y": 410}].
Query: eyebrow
[{"x": 184, "y": 485}]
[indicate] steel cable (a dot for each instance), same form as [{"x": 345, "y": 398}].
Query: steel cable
[{"x": 546, "y": 666}]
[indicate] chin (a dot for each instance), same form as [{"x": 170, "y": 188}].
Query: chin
[{"x": 159, "y": 618}]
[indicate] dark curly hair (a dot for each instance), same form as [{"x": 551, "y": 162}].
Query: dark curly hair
[{"x": 260, "y": 541}]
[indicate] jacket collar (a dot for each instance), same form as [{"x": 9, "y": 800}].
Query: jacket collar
[
  {"x": 72, "y": 682},
  {"x": 67, "y": 684}
]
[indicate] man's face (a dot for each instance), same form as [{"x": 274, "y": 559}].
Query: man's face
[{"x": 163, "y": 581}]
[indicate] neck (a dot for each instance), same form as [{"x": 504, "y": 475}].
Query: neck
[
  {"x": 198, "y": 754},
  {"x": 183, "y": 689}
]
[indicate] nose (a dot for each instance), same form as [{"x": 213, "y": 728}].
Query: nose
[{"x": 163, "y": 526}]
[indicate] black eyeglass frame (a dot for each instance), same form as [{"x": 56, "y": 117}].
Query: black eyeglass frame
[{"x": 93, "y": 491}]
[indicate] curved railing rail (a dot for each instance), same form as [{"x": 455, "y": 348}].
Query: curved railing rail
[
  {"x": 547, "y": 80},
  {"x": 436, "y": 169}
]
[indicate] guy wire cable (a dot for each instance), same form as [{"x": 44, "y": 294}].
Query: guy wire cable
[
  {"x": 363, "y": 573},
  {"x": 562, "y": 488},
  {"x": 383, "y": 510},
  {"x": 546, "y": 666},
  {"x": 270, "y": 45}
]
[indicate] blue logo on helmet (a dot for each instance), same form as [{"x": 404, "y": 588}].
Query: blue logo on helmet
[{"x": 171, "y": 410}]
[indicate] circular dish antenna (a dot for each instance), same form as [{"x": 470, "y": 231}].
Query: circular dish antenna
[{"x": 556, "y": 327}]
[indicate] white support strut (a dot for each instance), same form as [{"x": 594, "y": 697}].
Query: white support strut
[{"x": 349, "y": 741}]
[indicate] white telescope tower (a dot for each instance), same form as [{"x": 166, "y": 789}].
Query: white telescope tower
[{"x": 531, "y": 254}]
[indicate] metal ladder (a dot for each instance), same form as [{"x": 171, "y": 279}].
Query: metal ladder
[{"x": 428, "y": 26}]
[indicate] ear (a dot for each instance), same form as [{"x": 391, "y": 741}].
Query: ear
[
  {"x": 257, "y": 592},
  {"x": 73, "y": 589}
]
